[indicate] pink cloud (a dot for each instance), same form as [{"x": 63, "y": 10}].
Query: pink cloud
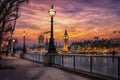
[{"x": 83, "y": 20}]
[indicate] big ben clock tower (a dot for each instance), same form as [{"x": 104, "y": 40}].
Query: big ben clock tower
[{"x": 65, "y": 48}]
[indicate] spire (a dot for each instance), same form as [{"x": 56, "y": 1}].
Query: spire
[
  {"x": 52, "y": 6},
  {"x": 65, "y": 32}
]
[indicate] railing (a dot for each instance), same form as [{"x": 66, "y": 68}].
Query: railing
[
  {"x": 34, "y": 57},
  {"x": 105, "y": 66}
]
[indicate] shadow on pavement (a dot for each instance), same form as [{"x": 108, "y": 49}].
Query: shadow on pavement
[{"x": 7, "y": 67}]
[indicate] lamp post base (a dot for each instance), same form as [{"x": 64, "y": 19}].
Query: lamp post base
[
  {"x": 48, "y": 59},
  {"x": 49, "y": 56},
  {"x": 24, "y": 49},
  {"x": 51, "y": 48}
]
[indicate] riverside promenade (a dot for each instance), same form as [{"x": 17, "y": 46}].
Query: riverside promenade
[
  {"x": 19, "y": 69},
  {"x": 13, "y": 68}
]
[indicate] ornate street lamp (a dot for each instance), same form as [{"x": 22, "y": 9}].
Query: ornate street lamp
[
  {"x": 52, "y": 48},
  {"x": 24, "y": 47},
  {"x": 7, "y": 48}
]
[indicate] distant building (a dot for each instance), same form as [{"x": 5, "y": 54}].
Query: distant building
[
  {"x": 40, "y": 40},
  {"x": 96, "y": 45},
  {"x": 46, "y": 44},
  {"x": 65, "y": 48},
  {"x": 41, "y": 45},
  {"x": 115, "y": 41},
  {"x": 59, "y": 48},
  {"x": 96, "y": 38}
]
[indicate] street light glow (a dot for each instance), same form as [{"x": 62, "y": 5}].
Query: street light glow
[
  {"x": 24, "y": 33},
  {"x": 52, "y": 12},
  {"x": 13, "y": 40}
]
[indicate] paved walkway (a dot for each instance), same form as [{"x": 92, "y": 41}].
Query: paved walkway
[{"x": 19, "y": 69}]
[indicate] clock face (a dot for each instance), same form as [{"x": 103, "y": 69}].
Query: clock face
[{"x": 65, "y": 37}]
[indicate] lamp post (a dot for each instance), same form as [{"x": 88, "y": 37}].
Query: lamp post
[
  {"x": 2, "y": 47},
  {"x": 13, "y": 48},
  {"x": 24, "y": 47},
  {"x": 52, "y": 48},
  {"x": 7, "y": 49},
  {"x": 1, "y": 50}
]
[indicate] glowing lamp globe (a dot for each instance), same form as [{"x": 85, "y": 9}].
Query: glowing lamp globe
[{"x": 52, "y": 11}]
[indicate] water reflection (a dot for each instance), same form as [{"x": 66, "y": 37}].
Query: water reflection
[
  {"x": 95, "y": 60},
  {"x": 104, "y": 60},
  {"x": 102, "y": 65}
]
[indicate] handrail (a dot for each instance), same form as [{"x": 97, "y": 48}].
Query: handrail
[{"x": 80, "y": 55}]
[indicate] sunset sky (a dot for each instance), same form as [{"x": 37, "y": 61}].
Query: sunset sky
[{"x": 83, "y": 19}]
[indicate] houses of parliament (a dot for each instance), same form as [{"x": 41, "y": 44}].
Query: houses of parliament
[{"x": 43, "y": 42}]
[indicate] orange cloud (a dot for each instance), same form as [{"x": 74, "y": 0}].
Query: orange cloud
[{"x": 82, "y": 19}]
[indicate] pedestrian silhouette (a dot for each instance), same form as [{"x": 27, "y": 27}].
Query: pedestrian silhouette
[{"x": 113, "y": 55}]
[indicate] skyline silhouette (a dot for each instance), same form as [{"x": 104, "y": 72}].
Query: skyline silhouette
[{"x": 83, "y": 19}]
